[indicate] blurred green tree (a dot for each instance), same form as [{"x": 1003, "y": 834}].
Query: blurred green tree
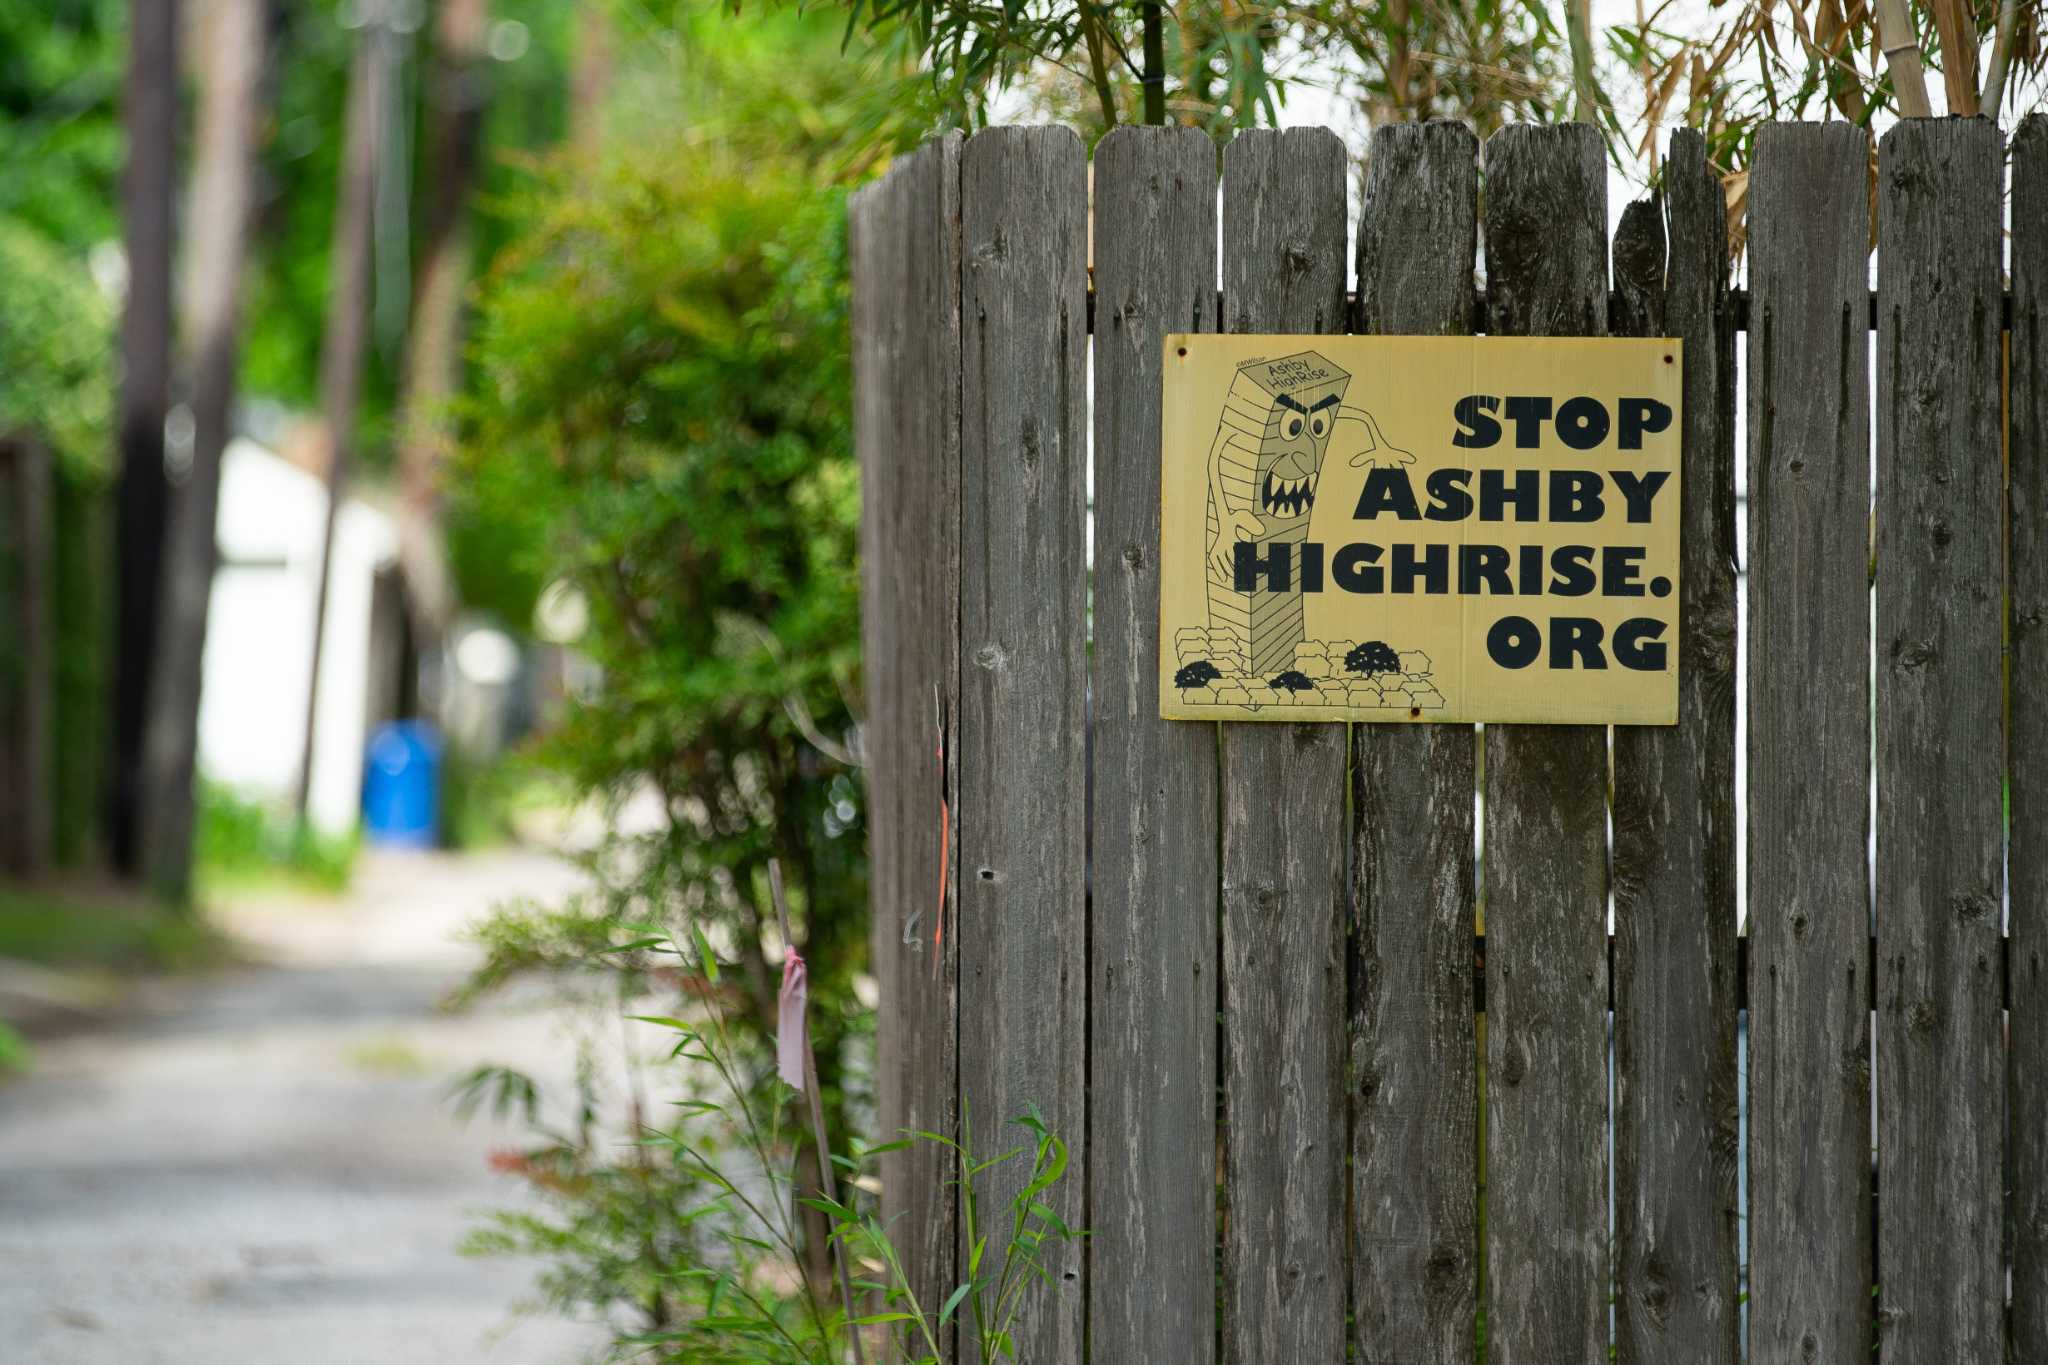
[
  {"x": 520, "y": 91},
  {"x": 658, "y": 419},
  {"x": 1224, "y": 65},
  {"x": 60, "y": 138},
  {"x": 60, "y": 126}
]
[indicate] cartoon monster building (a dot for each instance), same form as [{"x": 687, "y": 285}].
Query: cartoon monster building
[{"x": 1264, "y": 466}]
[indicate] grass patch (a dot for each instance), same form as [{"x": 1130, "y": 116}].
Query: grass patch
[
  {"x": 387, "y": 1057},
  {"x": 67, "y": 927},
  {"x": 245, "y": 842},
  {"x": 480, "y": 799},
  {"x": 13, "y": 1050}
]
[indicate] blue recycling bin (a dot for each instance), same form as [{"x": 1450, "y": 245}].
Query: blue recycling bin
[{"x": 402, "y": 785}]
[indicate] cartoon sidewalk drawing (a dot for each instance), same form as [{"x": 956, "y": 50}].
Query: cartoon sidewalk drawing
[{"x": 1279, "y": 419}]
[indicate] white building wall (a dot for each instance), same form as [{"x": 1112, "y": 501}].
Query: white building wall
[{"x": 259, "y": 639}]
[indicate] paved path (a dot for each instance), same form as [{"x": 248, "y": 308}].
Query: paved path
[{"x": 259, "y": 1166}]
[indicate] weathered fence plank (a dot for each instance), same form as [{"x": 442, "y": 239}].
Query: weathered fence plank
[
  {"x": 1152, "y": 964},
  {"x": 1676, "y": 1129},
  {"x": 1414, "y": 1044},
  {"x": 1283, "y": 849},
  {"x": 2028, "y": 674},
  {"x": 1546, "y": 845},
  {"x": 1940, "y": 513},
  {"x": 1024, "y": 672},
  {"x": 1809, "y": 745},
  {"x": 905, "y": 249}
]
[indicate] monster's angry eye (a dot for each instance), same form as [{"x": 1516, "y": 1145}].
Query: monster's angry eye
[
  {"x": 1317, "y": 425},
  {"x": 1294, "y": 426}
]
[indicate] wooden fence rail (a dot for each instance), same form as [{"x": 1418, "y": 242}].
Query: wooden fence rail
[{"x": 1235, "y": 965}]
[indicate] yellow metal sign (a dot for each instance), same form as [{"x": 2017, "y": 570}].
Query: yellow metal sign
[{"x": 1420, "y": 529}]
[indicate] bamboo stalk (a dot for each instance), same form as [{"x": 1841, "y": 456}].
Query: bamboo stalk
[
  {"x": 1956, "y": 26},
  {"x": 1902, "y": 58},
  {"x": 829, "y": 1185},
  {"x": 1578, "y": 22},
  {"x": 1098, "y": 71},
  {"x": 2001, "y": 57},
  {"x": 1155, "y": 64}
]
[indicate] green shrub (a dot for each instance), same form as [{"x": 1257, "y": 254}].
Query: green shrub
[
  {"x": 683, "y": 1230},
  {"x": 57, "y": 376},
  {"x": 659, "y": 417},
  {"x": 14, "y": 1053},
  {"x": 243, "y": 839},
  {"x": 56, "y": 352},
  {"x": 82, "y": 926}
]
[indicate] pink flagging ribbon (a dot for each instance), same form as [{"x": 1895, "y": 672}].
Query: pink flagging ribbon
[{"x": 792, "y": 1024}]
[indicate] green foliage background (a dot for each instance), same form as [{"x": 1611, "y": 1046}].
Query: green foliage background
[
  {"x": 61, "y": 142},
  {"x": 526, "y": 109},
  {"x": 658, "y": 414}
]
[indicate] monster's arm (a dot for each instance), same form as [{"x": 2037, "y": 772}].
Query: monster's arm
[{"x": 1378, "y": 450}]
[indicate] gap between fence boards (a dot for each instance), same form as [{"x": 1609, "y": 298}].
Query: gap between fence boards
[{"x": 1738, "y": 306}]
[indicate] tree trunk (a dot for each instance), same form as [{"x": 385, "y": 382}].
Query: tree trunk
[
  {"x": 456, "y": 104},
  {"x": 592, "y": 66},
  {"x": 27, "y": 662},
  {"x": 348, "y": 320},
  {"x": 149, "y": 112},
  {"x": 231, "y": 34}
]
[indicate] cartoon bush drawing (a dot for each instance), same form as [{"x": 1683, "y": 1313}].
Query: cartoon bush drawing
[
  {"x": 1371, "y": 658},
  {"x": 1373, "y": 676}
]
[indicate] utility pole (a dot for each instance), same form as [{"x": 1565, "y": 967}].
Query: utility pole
[
  {"x": 222, "y": 209},
  {"x": 343, "y": 348},
  {"x": 149, "y": 105},
  {"x": 458, "y": 94}
]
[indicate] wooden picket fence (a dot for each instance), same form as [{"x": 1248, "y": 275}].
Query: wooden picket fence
[{"x": 1235, "y": 965}]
